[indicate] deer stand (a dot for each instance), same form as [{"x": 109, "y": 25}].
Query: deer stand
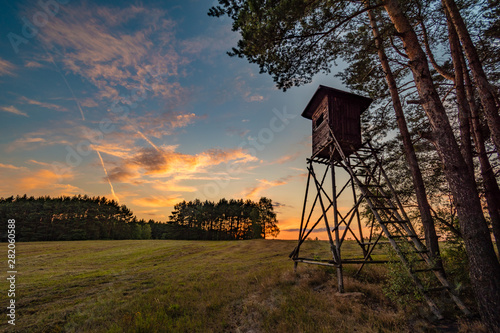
[
  {"x": 337, "y": 225},
  {"x": 386, "y": 221},
  {"x": 337, "y": 146}
]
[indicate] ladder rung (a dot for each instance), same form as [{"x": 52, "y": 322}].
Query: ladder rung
[
  {"x": 431, "y": 290},
  {"x": 405, "y": 236},
  {"x": 425, "y": 270},
  {"x": 397, "y": 221},
  {"x": 361, "y": 164},
  {"x": 370, "y": 149},
  {"x": 379, "y": 242},
  {"x": 362, "y": 157},
  {"x": 416, "y": 252}
]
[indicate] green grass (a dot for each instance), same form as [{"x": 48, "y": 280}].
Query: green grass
[{"x": 195, "y": 286}]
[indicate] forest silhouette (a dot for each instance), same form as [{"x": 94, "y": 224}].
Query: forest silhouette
[{"x": 82, "y": 217}]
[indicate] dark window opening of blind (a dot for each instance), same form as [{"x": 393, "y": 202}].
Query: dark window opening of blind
[{"x": 320, "y": 120}]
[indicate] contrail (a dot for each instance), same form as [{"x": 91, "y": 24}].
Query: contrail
[
  {"x": 106, "y": 173},
  {"x": 150, "y": 142},
  {"x": 74, "y": 97},
  {"x": 144, "y": 137},
  {"x": 65, "y": 81}
]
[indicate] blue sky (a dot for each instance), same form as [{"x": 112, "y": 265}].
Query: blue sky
[{"x": 138, "y": 101}]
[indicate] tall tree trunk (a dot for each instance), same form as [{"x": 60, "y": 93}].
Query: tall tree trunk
[
  {"x": 483, "y": 264},
  {"x": 467, "y": 106},
  {"x": 431, "y": 238},
  {"x": 491, "y": 189},
  {"x": 484, "y": 88},
  {"x": 463, "y": 106}
]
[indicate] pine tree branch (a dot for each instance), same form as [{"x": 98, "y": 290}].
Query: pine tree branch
[
  {"x": 394, "y": 46},
  {"x": 430, "y": 55},
  {"x": 449, "y": 225}
]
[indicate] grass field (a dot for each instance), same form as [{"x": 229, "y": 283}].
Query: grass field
[{"x": 196, "y": 286}]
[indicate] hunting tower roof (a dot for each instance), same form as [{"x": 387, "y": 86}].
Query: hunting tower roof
[{"x": 324, "y": 90}]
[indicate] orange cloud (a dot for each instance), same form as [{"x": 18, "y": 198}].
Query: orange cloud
[
  {"x": 158, "y": 201},
  {"x": 7, "y": 68},
  {"x": 286, "y": 158},
  {"x": 169, "y": 171},
  {"x": 264, "y": 185},
  {"x": 113, "y": 149},
  {"x": 14, "y": 110},
  {"x": 42, "y": 179},
  {"x": 40, "y": 182},
  {"x": 42, "y": 104},
  {"x": 173, "y": 186},
  {"x": 12, "y": 167},
  {"x": 169, "y": 162},
  {"x": 34, "y": 140}
]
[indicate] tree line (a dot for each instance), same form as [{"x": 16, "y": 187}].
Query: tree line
[
  {"x": 233, "y": 219},
  {"x": 90, "y": 218},
  {"x": 70, "y": 218},
  {"x": 432, "y": 67}
]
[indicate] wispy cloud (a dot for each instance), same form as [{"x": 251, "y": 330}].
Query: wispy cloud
[
  {"x": 21, "y": 180},
  {"x": 157, "y": 201},
  {"x": 167, "y": 170},
  {"x": 217, "y": 41},
  {"x": 265, "y": 184},
  {"x": 170, "y": 162},
  {"x": 41, "y": 180},
  {"x": 89, "y": 103},
  {"x": 119, "y": 150},
  {"x": 39, "y": 163},
  {"x": 234, "y": 131},
  {"x": 12, "y": 167},
  {"x": 167, "y": 123},
  {"x": 173, "y": 185},
  {"x": 35, "y": 140},
  {"x": 13, "y": 109},
  {"x": 50, "y": 106},
  {"x": 7, "y": 68},
  {"x": 248, "y": 93},
  {"x": 286, "y": 158},
  {"x": 33, "y": 64},
  {"x": 94, "y": 42}
]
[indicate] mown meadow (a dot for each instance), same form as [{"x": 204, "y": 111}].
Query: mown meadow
[{"x": 202, "y": 286}]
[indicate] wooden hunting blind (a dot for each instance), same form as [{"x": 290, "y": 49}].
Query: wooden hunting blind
[
  {"x": 337, "y": 145},
  {"x": 337, "y": 111}
]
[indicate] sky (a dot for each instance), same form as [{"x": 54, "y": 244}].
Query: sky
[{"x": 139, "y": 102}]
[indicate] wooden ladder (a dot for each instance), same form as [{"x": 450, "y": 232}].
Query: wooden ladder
[{"x": 366, "y": 170}]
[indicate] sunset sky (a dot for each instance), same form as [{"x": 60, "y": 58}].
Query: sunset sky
[{"x": 140, "y": 102}]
